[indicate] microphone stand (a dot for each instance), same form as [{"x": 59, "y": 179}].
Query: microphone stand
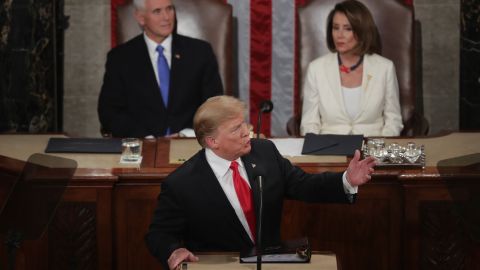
[
  {"x": 259, "y": 124},
  {"x": 259, "y": 223},
  {"x": 265, "y": 107}
]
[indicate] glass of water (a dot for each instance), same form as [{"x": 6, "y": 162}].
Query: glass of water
[
  {"x": 130, "y": 149},
  {"x": 395, "y": 153},
  {"x": 413, "y": 152},
  {"x": 379, "y": 151}
]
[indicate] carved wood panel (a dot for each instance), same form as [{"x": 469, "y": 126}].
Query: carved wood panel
[{"x": 72, "y": 237}]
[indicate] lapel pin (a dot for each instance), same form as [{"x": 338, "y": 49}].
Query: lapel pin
[
  {"x": 177, "y": 56},
  {"x": 254, "y": 165}
]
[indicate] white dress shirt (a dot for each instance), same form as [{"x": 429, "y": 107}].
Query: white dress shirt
[
  {"x": 352, "y": 98},
  {"x": 221, "y": 169},
  {"x": 152, "y": 52}
]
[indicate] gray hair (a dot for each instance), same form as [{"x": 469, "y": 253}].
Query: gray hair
[{"x": 139, "y": 4}]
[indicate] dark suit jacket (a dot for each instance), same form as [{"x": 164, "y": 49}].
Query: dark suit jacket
[
  {"x": 194, "y": 212},
  {"x": 130, "y": 103}
]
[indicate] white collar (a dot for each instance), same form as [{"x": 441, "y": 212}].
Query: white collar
[
  {"x": 152, "y": 45},
  {"x": 219, "y": 165}
]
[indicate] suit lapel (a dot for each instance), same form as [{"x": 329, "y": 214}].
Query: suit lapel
[
  {"x": 147, "y": 75},
  {"x": 333, "y": 76},
  {"x": 368, "y": 73},
  {"x": 250, "y": 165},
  {"x": 217, "y": 196},
  {"x": 177, "y": 62}
]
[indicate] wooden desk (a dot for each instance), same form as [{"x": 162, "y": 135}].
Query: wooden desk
[{"x": 403, "y": 219}]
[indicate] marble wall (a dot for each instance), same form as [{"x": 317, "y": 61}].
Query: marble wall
[
  {"x": 440, "y": 24},
  {"x": 470, "y": 66},
  {"x": 28, "y": 65},
  {"x": 88, "y": 40}
]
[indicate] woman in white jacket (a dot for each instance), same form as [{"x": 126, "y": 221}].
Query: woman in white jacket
[{"x": 351, "y": 90}]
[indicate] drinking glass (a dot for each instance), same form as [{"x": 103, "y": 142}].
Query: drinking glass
[
  {"x": 130, "y": 149},
  {"x": 412, "y": 153},
  {"x": 379, "y": 150},
  {"x": 395, "y": 153}
]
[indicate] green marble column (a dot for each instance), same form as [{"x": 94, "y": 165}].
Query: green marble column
[
  {"x": 31, "y": 41},
  {"x": 470, "y": 65}
]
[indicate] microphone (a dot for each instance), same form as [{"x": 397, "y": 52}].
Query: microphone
[
  {"x": 266, "y": 106},
  {"x": 260, "y": 179}
]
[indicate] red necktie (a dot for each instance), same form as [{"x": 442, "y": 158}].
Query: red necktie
[{"x": 244, "y": 195}]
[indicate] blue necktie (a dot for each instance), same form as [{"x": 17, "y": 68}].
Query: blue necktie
[{"x": 163, "y": 75}]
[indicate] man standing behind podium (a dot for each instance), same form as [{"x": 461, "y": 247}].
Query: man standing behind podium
[
  {"x": 210, "y": 202},
  {"x": 154, "y": 83}
]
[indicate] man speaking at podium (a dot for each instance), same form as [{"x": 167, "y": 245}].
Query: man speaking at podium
[{"x": 210, "y": 202}]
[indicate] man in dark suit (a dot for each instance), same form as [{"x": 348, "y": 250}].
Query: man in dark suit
[
  {"x": 135, "y": 101},
  {"x": 201, "y": 206}
]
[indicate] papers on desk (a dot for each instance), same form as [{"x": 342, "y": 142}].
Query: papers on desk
[
  {"x": 275, "y": 258},
  {"x": 313, "y": 144},
  {"x": 292, "y": 251},
  {"x": 125, "y": 161},
  {"x": 289, "y": 146},
  {"x": 291, "y": 149}
]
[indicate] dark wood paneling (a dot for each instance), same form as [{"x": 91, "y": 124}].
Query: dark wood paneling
[
  {"x": 79, "y": 236},
  {"x": 72, "y": 237},
  {"x": 354, "y": 232},
  {"x": 439, "y": 233},
  {"x": 134, "y": 206}
]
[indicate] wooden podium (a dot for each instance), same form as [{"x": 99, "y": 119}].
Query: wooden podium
[{"x": 230, "y": 261}]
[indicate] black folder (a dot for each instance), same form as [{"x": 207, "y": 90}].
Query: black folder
[
  {"x": 329, "y": 144},
  {"x": 84, "y": 145},
  {"x": 292, "y": 251}
]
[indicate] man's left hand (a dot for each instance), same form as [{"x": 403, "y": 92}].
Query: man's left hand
[
  {"x": 178, "y": 256},
  {"x": 359, "y": 171}
]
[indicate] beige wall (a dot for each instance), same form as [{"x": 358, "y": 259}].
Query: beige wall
[{"x": 87, "y": 42}]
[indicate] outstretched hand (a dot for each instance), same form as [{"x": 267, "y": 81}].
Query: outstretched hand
[
  {"x": 178, "y": 256},
  {"x": 359, "y": 171}
]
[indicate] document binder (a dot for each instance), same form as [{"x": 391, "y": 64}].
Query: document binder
[
  {"x": 328, "y": 144},
  {"x": 84, "y": 145}
]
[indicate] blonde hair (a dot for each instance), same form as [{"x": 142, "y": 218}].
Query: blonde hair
[{"x": 214, "y": 112}]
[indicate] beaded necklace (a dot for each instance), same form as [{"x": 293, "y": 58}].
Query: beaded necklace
[{"x": 346, "y": 69}]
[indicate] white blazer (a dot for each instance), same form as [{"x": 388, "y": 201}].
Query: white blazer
[{"x": 323, "y": 104}]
